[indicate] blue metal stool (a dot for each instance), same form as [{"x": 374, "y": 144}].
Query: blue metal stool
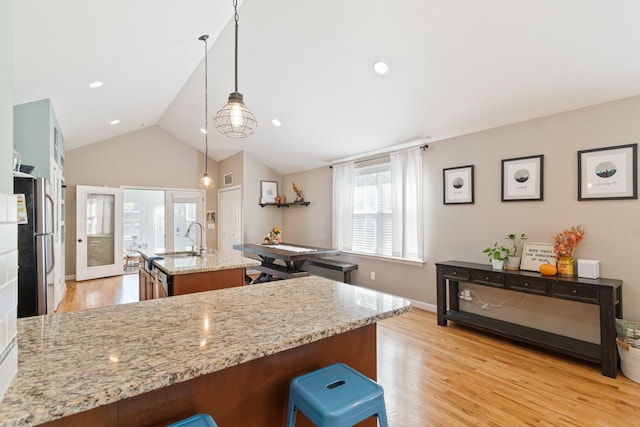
[
  {"x": 335, "y": 396},
  {"x": 200, "y": 420}
]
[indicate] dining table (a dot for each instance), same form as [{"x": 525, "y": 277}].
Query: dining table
[{"x": 291, "y": 256}]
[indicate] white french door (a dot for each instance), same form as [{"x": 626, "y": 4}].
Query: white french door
[
  {"x": 229, "y": 220},
  {"x": 99, "y": 250}
]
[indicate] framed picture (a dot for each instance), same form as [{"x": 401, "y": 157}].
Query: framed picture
[
  {"x": 457, "y": 185},
  {"x": 608, "y": 173},
  {"x": 536, "y": 254},
  {"x": 522, "y": 178},
  {"x": 268, "y": 191},
  {"x": 228, "y": 178}
]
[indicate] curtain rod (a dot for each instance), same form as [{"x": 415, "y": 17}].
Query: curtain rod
[{"x": 381, "y": 156}]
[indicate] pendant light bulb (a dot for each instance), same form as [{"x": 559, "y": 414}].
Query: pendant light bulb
[
  {"x": 236, "y": 115},
  {"x": 205, "y": 182}
]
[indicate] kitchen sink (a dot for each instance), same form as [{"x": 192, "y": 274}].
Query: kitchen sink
[{"x": 181, "y": 254}]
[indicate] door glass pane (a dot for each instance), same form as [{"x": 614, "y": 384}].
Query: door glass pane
[
  {"x": 100, "y": 229},
  {"x": 184, "y": 213},
  {"x": 143, "y": 222}
]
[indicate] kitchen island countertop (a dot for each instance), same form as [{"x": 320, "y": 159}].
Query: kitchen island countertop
[
  {"x": 173, "y": 265},
  {"x": 77, "y": 361}
]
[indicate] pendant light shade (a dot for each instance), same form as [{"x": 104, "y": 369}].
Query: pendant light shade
[
  {"x": 206, "y": 183},
  {"x": 234, "y": 119}
]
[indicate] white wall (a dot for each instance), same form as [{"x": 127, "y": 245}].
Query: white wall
[
  {"x": 8, "y": 209},
  {"x": 461, "y": 232}
]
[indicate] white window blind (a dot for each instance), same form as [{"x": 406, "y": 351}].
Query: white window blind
[{"x": 372, "y": 219}]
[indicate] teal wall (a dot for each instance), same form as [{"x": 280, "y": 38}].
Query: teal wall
[{"x": 34, "y": 125}]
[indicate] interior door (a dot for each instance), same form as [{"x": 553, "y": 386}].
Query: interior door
[
  {"x": 181, "y": 209},
  {"x": 99, "y": 250},
  {"x": 229, "y": 220}
]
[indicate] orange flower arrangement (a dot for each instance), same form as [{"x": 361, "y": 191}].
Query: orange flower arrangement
[{"x": 566, "y": 243}]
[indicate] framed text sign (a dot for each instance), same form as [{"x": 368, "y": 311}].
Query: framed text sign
[{"x": 536, "y": 254}]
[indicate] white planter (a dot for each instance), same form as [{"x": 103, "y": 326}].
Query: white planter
[{"x": 497, "y": 264}]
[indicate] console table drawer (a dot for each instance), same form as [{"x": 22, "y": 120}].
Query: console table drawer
[
  {"x": 526, "y": 284},
  {"x": 490, "y": 278},
  {"x": 576, "y": 292},
  {"x": 456, "y": 273}
]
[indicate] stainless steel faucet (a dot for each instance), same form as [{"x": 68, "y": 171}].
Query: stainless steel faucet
[{"x": 203, "y": 249}]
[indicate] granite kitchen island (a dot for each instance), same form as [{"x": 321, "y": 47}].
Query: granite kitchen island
[
  {"x": 180, "y": 273},
  {"x": 230, "y": 353}
]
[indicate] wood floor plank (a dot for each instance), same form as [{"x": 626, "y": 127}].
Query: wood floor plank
[{"x": 456, "y": 376}]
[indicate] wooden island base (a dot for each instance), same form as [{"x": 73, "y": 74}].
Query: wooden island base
[{"x": 252, "y": 394}]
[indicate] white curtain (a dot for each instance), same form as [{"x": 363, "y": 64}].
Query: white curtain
[
  {"x": 406, "y": 182},
  {"x": 343, "y": 181}
]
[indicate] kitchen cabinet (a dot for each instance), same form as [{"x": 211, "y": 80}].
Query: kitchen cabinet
[
  {"x": 182, "y": 284},
  {"x": 147, "y": 284}
]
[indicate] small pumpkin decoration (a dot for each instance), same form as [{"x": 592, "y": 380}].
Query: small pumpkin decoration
[{"x": 548, "y": 270}]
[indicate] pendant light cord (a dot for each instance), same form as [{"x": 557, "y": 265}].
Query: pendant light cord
[
  {"x": 206, "y": 106},
  {"x": 237, "y": 17}
]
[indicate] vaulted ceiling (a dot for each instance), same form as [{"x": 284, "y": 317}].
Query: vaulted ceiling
[{"x": 455, "y": 67}]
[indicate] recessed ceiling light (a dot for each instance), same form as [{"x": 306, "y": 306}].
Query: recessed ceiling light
[
  {"x": 381, "y": 67},
  {"x": 115, "y": 122},
  {"x": 95, "y": 85},
  {"x": 276, "y": 122},
  {"x": 204, "y": 131}
]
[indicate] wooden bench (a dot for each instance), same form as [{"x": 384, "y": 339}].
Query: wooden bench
[
  {"x": 333, "y": 264},
  {"x": 276, "y": 271}
]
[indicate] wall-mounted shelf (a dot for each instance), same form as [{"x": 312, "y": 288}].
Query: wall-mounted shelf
[{"x": 285, "y": 204}]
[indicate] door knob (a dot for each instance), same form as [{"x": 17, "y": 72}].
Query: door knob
[{"x": 79, "y": 240}]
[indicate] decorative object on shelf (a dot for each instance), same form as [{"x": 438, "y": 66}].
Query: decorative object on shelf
[
  {"x": 298, "y": 192},
  {"x": 206, "y": 182},
  {"x": 564, "y": 246},
  {"x": 268, "y": 191},
  {"x": 548, "y": 269},
  {"x": 457, "y": 185},
  {"x": 522, "y": 178},
  {"x": 234, "y": 119},
  {"x": 608, "y": 173},
  {"x": 497, "y": 255},
  {"x": 276, "y": 235},
  {"x": 515, "y": 241},
  {"x": 281, "y": 200}
]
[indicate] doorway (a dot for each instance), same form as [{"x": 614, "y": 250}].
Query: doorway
[{"x": 229, "y": 220}]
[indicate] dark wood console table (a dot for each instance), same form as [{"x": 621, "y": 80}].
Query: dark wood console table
[{"x": 606, "y": 293}]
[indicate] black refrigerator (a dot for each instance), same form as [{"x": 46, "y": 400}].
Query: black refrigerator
[{"x": 35, "y": 244}]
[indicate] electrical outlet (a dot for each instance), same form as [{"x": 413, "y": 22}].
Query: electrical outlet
[{"x": 373, "y": 275}]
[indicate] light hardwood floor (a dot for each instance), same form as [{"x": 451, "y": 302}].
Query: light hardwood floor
[{"x": 455, "y": 376}]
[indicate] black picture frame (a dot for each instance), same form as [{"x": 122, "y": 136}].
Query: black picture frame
[
  {"x": 523, "y": 179},
  {"x": 457, "y": 185},
  {"x": 609, "y": 173},
  {"x": 268, "y": 191}
]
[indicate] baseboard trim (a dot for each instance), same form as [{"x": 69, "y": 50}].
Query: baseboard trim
[{"x": 424, "y": 306}]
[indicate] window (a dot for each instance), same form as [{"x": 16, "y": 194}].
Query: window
[
  {"x": 377, "y": 208},
  {"x": 372, "y": 221}
]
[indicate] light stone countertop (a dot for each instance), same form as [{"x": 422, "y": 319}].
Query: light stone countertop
[
  {"x": 73, "y": 362},
  {"x": 194, "y": 264}
]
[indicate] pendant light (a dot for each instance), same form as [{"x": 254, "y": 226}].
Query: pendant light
[
  {"x": 234, "y": 119},
  {"x": 206, "y": 182}
]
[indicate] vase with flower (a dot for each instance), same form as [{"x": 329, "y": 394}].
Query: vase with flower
[
  {"x": 564, "y": 246},
  {"x": 276, "y": 235}
]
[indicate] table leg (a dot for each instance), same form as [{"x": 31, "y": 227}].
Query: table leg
[
  {"x": 608, "y": 350},
  {"x": 441, "y": 296}
]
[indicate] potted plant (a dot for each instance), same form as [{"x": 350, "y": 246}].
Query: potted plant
[
  {"x": 515, "y": 242},
  {"x": 497, "y": 255}
]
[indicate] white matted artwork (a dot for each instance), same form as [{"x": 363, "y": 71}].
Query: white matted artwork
[
  {"x": 536, "y": 254},
  {"x": 457, "y": 185},
  {"x": 608, "y": 173},
  {"x": 268, "y": 191},
  {"x": 522, "y": 178}
]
